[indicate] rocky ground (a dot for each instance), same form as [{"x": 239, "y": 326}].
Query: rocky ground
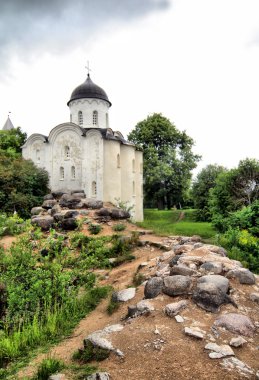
[{"x": 194, "y": 316}]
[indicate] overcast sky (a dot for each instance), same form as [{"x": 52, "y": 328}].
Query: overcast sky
[{"x": 195, "y": 61}]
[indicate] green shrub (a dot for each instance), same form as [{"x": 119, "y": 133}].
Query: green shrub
[
  {"x": 12, "y": 225},
  {"x": 48, "y": 367},
  {"x": 119, "y": 227},
  {"x": 112, "y": 306},
  {"x": 94, "y": 228},
  {"x": 138, "y": 279}
]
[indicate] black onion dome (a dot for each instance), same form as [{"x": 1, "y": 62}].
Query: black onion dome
[{"x": 89, "y": 89}]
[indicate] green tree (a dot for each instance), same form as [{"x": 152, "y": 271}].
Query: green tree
[
  {"x": 205, "y": 180},
  {"x": 234, "y": 189},
  {"x": 12, "y": 140},
  {"x": 168, "y": 160},
  {"x": 22, "y": 185}
]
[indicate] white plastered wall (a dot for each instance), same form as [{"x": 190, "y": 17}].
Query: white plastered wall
[{"x": 87, "y": 107}]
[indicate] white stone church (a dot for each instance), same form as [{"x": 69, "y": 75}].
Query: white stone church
[{"x": 87, "y": 154}]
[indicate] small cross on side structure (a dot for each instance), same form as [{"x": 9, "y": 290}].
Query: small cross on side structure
[{"x": 88, "y": 68}]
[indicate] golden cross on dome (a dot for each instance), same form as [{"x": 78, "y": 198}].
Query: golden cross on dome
[{"x": 88, "y": 68}]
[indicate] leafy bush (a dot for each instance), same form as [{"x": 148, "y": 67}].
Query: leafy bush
[
  {"x": 94, "y": 228},
  {"x": 12, "y": 225},
  {"x": 119, "y": 227}
]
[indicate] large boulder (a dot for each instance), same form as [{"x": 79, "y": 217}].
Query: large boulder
[
  {"x": 212, "y": 267},
  {"x": 36, "y": 210},
  {"x": 48, "y": 197},
  {"x": 49, "y": 203},
  {"x": 119, "y": 214},
  {"x": 45, "y": 223},
  {"x": 69, "y": 224},
  {"x": 55, "y": 209},
  {"x": 211, "y": 292},
  {"x": 174, "y": 308},
  {"x": 243, "y": 275},
  {"x": 236, "y": 323},
  {"x": 183, "y": 270},
  {"x": 58, "y": 194},
  {"x": 177, "y": 285},
  {"x": 92, "y": 203},
  {"x": 153, "y": 287},
  {"x": 124, "y": 295},
  {"x": 70, "y": 201}
]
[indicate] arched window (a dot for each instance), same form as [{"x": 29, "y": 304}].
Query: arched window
[
  {"x": 67, "y": 152},
  {"x": 80, "y": 118},
  {"x": 95, "y": 118},
  {"x": 107, "y": 120},
  {"x": 38, "y": 155},
  {"x": 133, "y": 188},
  {"x": 118, "y": 161},
  {"x": 94, "y": 189},
  {"x": 61, "y": 173},
  {"x": 133, "y": 165},
  {"x": 73, "y": 172}
]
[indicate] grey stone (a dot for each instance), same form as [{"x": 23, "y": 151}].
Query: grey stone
[
  {"x": 153, "y": 287},
  {"x": 36, "y": 210},
  {"x": 71, "y": 214},
  {"x": 78, "y": 194},
  {"x": 45, "y": 223},
  {"x": 182, "y": 249},
  {"x": 92, "y": 203},
  {"x": 119, "y": 214},
  {"x": 196, "y": 239},
  {"x": 70, "y": 201},
  {"x": 58, "y": 217},
  {"x": 124, "y": 295},
  {"x": 241, "y": 367},
  {"x": 237, "y": 342},
  {"x": 98, "y": 376},
  {"x": 183, "y": 270},
  {"x": 236, "y": 323},
  {"x": 174, "y": 308},
  {"x": 48, "y": 204},
  {"x": 55, "y": 210},
  {"x": 177, "y": 285},
  {"x": 174, "y": 260},
  {"x": 78, "y": 191},
  {"x": 195, "y": 333},
  {"x": 58, "y": 376},
  {"x": 48, "y": 197},
  {"x": 69, "y": 224},
  {"x": 243, "y": 275},
  {"x": 254, "y": 297},
  {"x": 145, "y": 306},
  {"x": 179, "y": 319},
  {"x": 213, "y": 267},
  {"x": 211, "y": 292},
  {"x": 197, "y": 245},
  {"x": 58, "y": 194},
  {"x": 219, "y": 351}
]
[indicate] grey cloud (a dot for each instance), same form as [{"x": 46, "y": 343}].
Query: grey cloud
[{"x": 31, "y": 26}]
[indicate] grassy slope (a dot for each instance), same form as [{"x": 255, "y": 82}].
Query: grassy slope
[{"x": 169, "y": 222}]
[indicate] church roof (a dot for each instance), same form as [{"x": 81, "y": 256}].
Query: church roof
[
  {"x": 89, "y": 89},
  {"x": 8, "y": 125}
]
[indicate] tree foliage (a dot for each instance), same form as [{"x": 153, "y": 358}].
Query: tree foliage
[
  {"x": 168, "y": 160},
  {"x": 12, "y": 140},
  {"x": 205, "y": 181},
  {"x": 22, "y": 184},
  {"x": 234, "y": 189}
]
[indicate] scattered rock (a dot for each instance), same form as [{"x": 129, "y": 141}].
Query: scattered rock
[
  {"x": 98, "y": 376},
  {"x": 36, "y": 210},
  {"x": 176, "y": 285},
  {"x": 71, "y": 214},
  {"x": 124, "y": 295},
  {"x": 92, "y": 203},
  {"x": 69, "y": 224},
  {"x": 179, "y": 319},
  {"x": 70, "y": 201},
  {"x": 241, "y": 367},
  {"x": 99, "y": 338},
  {"x": 183, "y": 270},
  {"x": 212, "y": 267},
  {"x": 48, "y": 204},
  {"x": 237, "y": 342},
  {"x": 153, "y": 287},
  {"x": 145, "y": 306},
  {"x": 119, "y": 214},
  {"x": 173, "y": 309},
  {"x": 219, "y": 351},
  {"x": 243, "y": 275},
  {"x": 174, "y": 260},
  {"x": 195, "y": 333},
  {"x": 58, "y": 376},
  {"x": 236, "y": 323},
  {"x": 48, "y": 197},
  {"x": 254, "y": 297},
  {"x": 166, "y": 256},
  {"x": 44, "y": 222}
]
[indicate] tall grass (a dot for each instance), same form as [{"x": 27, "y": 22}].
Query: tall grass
[
  {"x": 52, "y": 325},
  {"x": 176, "y": 222}
]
